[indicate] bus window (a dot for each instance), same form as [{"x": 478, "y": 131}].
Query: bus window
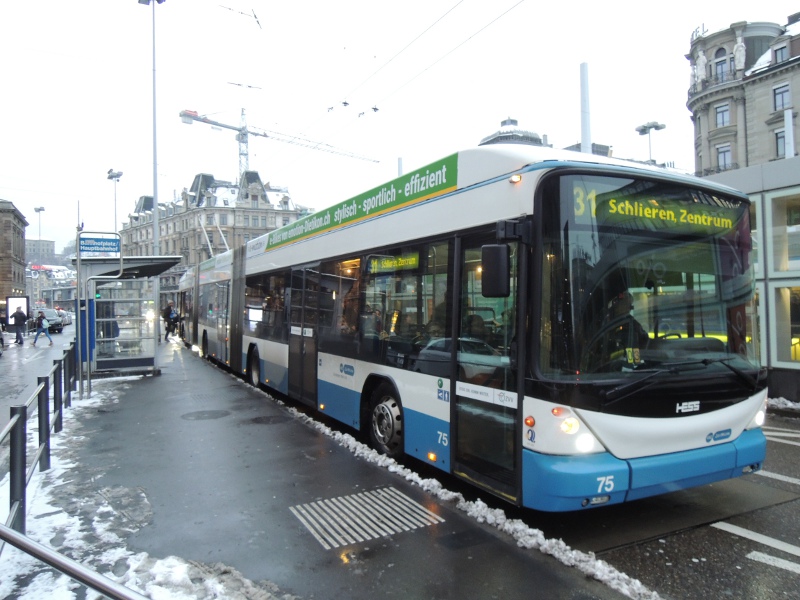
[
  {"x": 264, "y": 306},
  {"x": 338, "y": 306},
  {"x": 404, "y": 302}
]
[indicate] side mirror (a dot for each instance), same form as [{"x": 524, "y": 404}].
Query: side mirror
[{"x": 496, "y": 273}]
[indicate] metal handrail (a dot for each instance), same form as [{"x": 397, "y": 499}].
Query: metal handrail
[
  {"x": 69, "y": 567},
  {"x": 64, "y": 377}
]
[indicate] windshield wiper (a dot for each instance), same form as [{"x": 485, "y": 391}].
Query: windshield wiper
[
  {"x": 745, "y": 377},
  {"x": 616, "y": 394},
  {"x": 624, "y": 390}
]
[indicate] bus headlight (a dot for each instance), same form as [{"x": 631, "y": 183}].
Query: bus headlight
[
  {"x": 570, "y": 425},
  {"x": 585, "y": 443},
  {"x": 760, "y": 416}
]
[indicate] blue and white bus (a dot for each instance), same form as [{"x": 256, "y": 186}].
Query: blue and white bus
[{"x": 560, "y": 329}]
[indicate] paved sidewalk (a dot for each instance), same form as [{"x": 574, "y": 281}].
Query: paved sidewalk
[{"x": 194, "y": 480}]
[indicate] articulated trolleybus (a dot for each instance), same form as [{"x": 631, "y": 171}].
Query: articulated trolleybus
[{"x": 562, "y": 330}]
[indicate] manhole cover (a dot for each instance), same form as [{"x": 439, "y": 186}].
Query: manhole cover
[{"x": 204, "y": 415}]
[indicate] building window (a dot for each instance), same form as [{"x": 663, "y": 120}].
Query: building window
[
  {"x": 781, "y": 54},
  {"x": 223, "y": 219},
  {"x": 780, "y": 95},
  {"x": 263, "y": 222},
  {"x": 723, "y": 115},
  {"x": 780, "y": 143},
  {"x": 247, "y": 220},
  {"x": 721, "y": 64},
  {"x": 253, "y": 201},
  {"x": 724, "y": 157},
  {"x": 785, "y": 234},
  {"x": 210, "y": 219},
  {"x": 285, "y": 220}
]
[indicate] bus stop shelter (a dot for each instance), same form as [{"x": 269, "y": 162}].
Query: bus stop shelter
[{"x": 119, "y": 318}]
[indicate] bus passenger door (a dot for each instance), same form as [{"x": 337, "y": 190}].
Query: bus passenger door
[
  {"x": 221, "y": 315},
  {"x": 486, "y": 407},
  {"x": 303, "y": 335}
]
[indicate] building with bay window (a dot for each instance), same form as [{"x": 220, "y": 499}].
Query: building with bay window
[{"x": 741, "y": 96}]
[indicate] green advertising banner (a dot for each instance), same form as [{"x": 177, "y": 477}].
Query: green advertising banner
[{"x": 433, "y": 180}]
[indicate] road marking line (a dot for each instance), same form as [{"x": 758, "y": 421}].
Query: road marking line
[
  {"x": 769, "y": 428},
  {"x": 774, "y": 561},
  {"x": 779, "y": 477},
  {"x": 757, "y": 537},
  {"x": 781, "y": 435},
  {"x": 772, "y": 439}
]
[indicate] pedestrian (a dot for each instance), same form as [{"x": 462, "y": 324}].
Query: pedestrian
[
  {"x": 42, "y": 326},
  {"x": 20, "y": 319},
  {"x": 170, "y": 319}
]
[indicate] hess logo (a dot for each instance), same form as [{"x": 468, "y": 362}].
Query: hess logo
[{"x": 687, "y": 407}]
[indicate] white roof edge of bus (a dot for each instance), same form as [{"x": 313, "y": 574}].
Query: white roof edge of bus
[
  {"x": 479, "y": 163},
  {"x": 527, "y": 154}
]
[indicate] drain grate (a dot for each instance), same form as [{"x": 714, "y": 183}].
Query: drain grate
[{"x": 361, "y": 517}]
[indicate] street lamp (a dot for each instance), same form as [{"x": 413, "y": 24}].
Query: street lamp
[
  {"x": 646, "y": 129},
  {"x": 156, "y": 251},
  {"x": 40, "y": 210},
  {"x": 115, "y": 175}
]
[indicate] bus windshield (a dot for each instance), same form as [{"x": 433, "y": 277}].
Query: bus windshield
[{"x": 641, "y": 275}]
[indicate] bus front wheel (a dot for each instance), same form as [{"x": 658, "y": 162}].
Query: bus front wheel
[{"x": 386, "y": 421}]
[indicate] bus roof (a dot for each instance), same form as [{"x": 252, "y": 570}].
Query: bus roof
[{"x": 456, "y": 171}]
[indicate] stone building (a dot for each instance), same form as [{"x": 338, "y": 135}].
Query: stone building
[
  {"x": 12, "y": 253},
  {"x": 743, "y": 82},
  {"x": 740, "y": 94},
  {"x": 209, "y": 218}
]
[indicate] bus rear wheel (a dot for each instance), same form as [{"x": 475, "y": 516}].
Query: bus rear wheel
[
  {"x": 254, "y": 368},
  {"x": 386, "y": 421}
]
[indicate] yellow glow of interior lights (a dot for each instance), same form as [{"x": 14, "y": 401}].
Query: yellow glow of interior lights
[
  {"x": 322, "y": 407},
  {"x": 432, "y": 456},
  {"x": 515, "y": 178},
  {"x": 570, "y": 425}
]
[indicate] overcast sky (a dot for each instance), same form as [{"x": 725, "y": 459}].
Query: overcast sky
[{"x": 77, "y": 90}]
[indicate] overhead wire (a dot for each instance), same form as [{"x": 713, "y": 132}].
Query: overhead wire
[
  {"x": 406, "y": 47},
  {"x": 437, "y": 61},
  {"x": 449, "y": 52}
]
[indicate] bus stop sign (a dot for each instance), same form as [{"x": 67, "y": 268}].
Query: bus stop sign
[{"x": 88, "y": 244}]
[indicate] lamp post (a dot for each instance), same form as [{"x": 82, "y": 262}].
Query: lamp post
[
  {"x": 646, "y": 129},
  {"x": 40, "y": 210},
  {"x": 156, "y": 250},
  {"x": 115, "y": 175}
]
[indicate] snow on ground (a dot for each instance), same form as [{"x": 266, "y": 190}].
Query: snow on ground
[
  {"x": 783, "y": 403},
  {"x": 92, "y": 532}
]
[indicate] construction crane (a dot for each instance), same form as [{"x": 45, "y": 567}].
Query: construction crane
[{"x": 243, "y": 132}]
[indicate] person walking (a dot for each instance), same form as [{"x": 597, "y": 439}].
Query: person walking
[
  {"x": 170, "y": 319},
  {"x": 42, "y": 325},
  {"x": 20, "y": 319}
]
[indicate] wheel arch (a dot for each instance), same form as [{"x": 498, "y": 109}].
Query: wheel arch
[{"x": 252, "y": 349}]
